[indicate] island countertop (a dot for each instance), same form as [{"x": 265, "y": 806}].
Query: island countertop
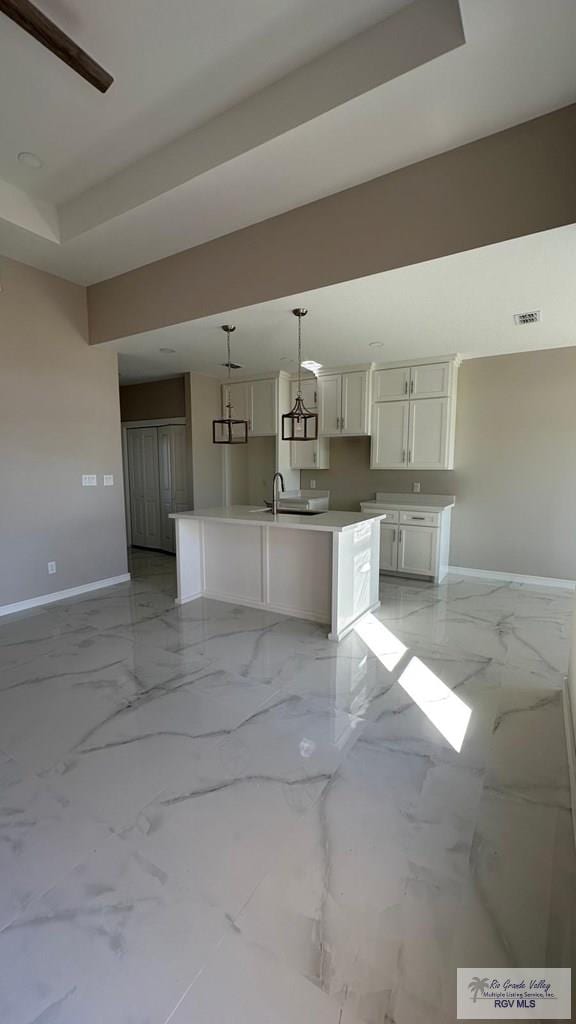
[{"x": 250, "y": 515}]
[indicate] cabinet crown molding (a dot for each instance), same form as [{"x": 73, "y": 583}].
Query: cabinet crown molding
[{"x": 453, "y": 357}]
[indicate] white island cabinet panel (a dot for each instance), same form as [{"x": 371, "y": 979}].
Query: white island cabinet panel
[
  {"x": 232, "y": 562},
  {"x": 355, "y": 575},
  {"x": 299, "y": 567}
]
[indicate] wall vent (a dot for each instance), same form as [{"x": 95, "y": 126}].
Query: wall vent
[
  {"x": 533, "y": 317},
  {"x": 232, "y": 366}
]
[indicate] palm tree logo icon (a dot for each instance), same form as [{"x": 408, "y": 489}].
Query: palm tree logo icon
[{"x": 478, "y": 986}]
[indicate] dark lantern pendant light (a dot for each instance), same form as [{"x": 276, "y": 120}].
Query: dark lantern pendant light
[
  {"x": 299, "y": 424},
  {"x": 229, "y": 430}
]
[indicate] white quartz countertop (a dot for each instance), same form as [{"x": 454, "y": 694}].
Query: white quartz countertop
[
  {"x": 333, "y": 522},
  {"x": 422, "y": 502}
]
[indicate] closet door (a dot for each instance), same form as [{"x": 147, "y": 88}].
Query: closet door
[
  {"x": 144, "y": 487},
  {"x": 172, "y": 480}
]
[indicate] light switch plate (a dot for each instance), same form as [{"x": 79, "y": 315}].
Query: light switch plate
[
  {"x": 108, "y": 480},
  {"x": 51, "y": 568},
  {"x": 89, "y": 480}
]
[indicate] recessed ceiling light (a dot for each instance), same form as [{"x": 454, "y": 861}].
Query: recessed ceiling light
[
  {"x": 169, "y": 351},
  {"x": 376, "y": 344},
  {"x": 311, "y": 364},
  {"x": 31, "y": 160}
]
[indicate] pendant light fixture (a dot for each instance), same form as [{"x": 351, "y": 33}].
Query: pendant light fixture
[
  {"x": 299, "y": 424},
  {"x": 229, "y": 430}
]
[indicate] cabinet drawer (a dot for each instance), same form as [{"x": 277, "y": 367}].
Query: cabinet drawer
[
  {"x": 388, "y": 517},
  {"x": 420, "y": 518}
]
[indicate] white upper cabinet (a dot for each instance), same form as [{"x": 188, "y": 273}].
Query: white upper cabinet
[
  {"x": 309, "y": 390},
  {"x": 329, "y": 404},
  {"x": 389, "y": 448},
  {"x": 343, "y": 404},
  {"x": 391, "y": 385},
  {"x": 355, "y": 412},
  {"x": 254, "y": 401},
  {"x": 262, "y": 411},
  {"x": 414, "y": 416},
  {"x": 309, "y": 454},
  {"x": 428, "y": 434},
  {"x": 430, "y": 380}
]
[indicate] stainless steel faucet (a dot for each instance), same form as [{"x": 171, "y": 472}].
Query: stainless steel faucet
[{"x": 277, "y": 477}]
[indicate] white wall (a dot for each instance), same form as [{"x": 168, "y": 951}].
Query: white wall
[{"x": 59, "y": 418}]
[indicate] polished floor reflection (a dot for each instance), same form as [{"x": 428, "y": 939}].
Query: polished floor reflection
[{"x": 214, "y": 815}]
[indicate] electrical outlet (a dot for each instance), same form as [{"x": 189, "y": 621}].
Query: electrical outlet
[
  {"x": 416, "y": 487},
  {"x": 313, "y": 485},
  {"x": 51, "y": 568},
  {"x": 108, "y": 480},
  {"x": 89, "y": 480}
]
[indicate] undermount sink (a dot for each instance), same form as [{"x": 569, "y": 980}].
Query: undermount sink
[{"x": 294, "y": 511}]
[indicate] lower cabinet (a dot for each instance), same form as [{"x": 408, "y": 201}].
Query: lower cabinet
[
  {"x": 409, "y": 549},
  {"x": 417, "y": 549},
  {"x": 413, "y": 542}
]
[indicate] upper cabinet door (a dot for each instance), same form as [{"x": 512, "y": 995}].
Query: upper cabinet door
[
  {"x": 391, "y": 385},
  {"x": 240, "y": 398},
  {"x": 389, "y": 448},
  {"x": 329, "y": 404},
  {"x": 354, "y": 417},
  {"x": 262, "y": 414},
  {"x": 309, "y": 393},
  {"x": 430, "y": 380},
  {"x": 429, "y": 428}
]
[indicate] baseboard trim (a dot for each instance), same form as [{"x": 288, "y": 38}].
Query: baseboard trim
[
  {"x": 571, "y": 745},
  {"x": 62, "y": 595},
  {"x": 511, "y": 577}
]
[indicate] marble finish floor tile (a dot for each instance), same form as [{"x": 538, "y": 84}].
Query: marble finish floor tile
[{"x": 214, "y": 815}]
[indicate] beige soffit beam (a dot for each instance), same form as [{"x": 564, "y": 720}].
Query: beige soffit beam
[
  {"x": 413, "y": 36},
  {"x": 516, "y": 182}
]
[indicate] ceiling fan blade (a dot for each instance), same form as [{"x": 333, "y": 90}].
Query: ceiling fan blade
[{"x": 54, "y": 39}]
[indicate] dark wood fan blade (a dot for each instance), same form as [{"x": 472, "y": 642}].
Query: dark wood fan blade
[{"x": 54, "y": 39}]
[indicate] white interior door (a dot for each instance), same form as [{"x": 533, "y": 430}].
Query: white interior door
[
  {"x": 389, "y": 385},
  {"x": 389, "y": 448},
  {"x": 417, "y": 550},
  {"x": 354, "y": 403},
  {"x": 172, "y": 458},
  {"x": 388, "y": 547},
  {"x": 144, "y": 487},
  {"x": 329, "y": 404},
  {"x": 428, "y": 441}
]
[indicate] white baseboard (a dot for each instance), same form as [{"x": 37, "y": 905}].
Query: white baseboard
[
  {"x": 571, "y": 744},
  {"x": 512, "y": 577},
  {"x": 62, "y": 595}
]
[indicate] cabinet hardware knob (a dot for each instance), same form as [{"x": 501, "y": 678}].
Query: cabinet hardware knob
[
  {"x": 412, "y": 386},
  {"x": 405, "y": 387},
  {"x": 403, "y": 455}
]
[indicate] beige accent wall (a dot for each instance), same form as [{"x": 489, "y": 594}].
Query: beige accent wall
[
  {"x": 515, "y": 468},
  {"x": 513, "y": 183},
  {"x": 59, "y": 418},
  {"x": 153, "y": 400}
]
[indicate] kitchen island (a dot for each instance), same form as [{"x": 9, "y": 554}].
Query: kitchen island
[{"x": 322, "y": 567}]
